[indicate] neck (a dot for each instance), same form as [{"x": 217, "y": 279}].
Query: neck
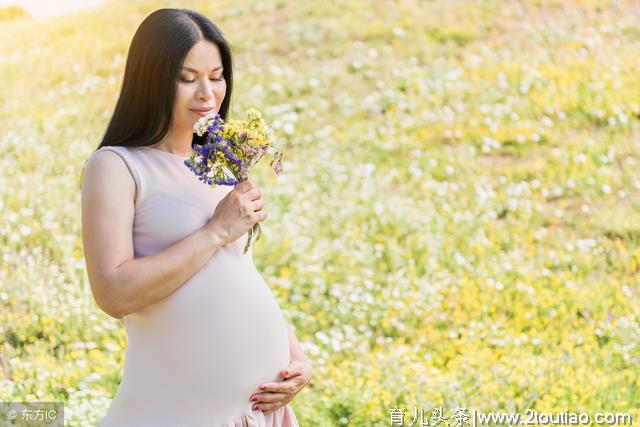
[{"x": 176, "y": 143}]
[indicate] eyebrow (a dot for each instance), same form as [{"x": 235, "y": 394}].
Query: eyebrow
[{"x": 193, "y": 70}]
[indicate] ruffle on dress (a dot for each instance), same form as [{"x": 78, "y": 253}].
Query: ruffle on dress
[{"x": 281, "y": 417}]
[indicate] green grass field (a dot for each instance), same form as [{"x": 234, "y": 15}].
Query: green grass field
[{"x": 457, "y": 223}]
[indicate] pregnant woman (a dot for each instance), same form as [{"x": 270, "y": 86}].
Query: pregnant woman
[{"x": 207, "y": 342}]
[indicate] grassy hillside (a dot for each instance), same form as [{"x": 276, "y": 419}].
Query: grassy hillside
[{"x": 457, "y": 224}]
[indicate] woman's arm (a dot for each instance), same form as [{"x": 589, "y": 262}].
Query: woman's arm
[
  {"x": 295, "y": 349},
  {"x": 121, "y": 284},
  {"x": 273, "y": 395}
]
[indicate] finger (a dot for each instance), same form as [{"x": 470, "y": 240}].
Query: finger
[
  {"x": 285, "y": 386},
  {"x": 261, "y": 398},
  {"x": 271, "y": 409},
  {"x": 268, "y": 386},
  {"x": 258, "y": 216},
  {"x": 268, "y": 407},
  {"x": 257, "y": 205},
  {"x": 253, "y": 194},
  {"x": 242, "y": 186},
  {"x": 246, "y": 186},
  {"x": 293, "y": 370},
  {"x": 250, "y": 195}
]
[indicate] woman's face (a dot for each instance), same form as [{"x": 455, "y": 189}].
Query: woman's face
[{"x": 201, "y": 85}]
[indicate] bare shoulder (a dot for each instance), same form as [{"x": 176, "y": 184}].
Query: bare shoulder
[{"x": 107, "y": 173}]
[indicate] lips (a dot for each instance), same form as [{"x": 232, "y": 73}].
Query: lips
[{"x": 202, "y": 112}]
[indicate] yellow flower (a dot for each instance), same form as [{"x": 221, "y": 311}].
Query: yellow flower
[{"x": 253, "y": 114}]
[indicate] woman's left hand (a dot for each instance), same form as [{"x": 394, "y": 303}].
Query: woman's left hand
[{"x": 277, "y": 394}]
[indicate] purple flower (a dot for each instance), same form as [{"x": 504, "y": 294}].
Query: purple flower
[{"x": 276, "y": 163}]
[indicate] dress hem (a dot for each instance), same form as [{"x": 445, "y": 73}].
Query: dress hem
[{"x": 281, "y": 417}]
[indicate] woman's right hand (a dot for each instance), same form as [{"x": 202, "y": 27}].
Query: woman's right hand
[{"x": 237, "y": 212}]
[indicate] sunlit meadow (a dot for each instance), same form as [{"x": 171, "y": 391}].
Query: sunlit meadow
[{"x": 457, "y": 223}]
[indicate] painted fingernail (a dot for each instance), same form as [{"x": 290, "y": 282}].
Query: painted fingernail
[
  {"x": 262, "y": 387},
  {"x": 254, "y": 399},
  {"x": 286, "y": 372},
  {"x": 256, "y": 407}
]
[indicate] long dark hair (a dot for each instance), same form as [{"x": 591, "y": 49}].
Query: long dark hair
[{"x": 144, "y": 111}]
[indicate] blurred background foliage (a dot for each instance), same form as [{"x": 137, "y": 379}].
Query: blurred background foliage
[{"x": 457, "y": 223}]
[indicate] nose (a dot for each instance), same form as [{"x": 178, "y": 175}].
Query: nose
[{"x": 205, "y": 91}]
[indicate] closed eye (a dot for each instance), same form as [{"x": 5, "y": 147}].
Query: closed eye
[{"x": 215, "y": 80}]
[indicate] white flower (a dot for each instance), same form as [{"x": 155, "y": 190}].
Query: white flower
[{"x": 228, "y": 172}]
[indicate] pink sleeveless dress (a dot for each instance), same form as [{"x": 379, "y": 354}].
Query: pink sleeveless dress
[{"x": 195, "y": 357}]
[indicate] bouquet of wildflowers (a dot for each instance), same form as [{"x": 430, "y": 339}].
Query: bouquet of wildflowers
[{"x": 231, "y": 150}]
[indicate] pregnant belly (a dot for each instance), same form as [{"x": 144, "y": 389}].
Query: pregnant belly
[{"x": 210, "y": 344}]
